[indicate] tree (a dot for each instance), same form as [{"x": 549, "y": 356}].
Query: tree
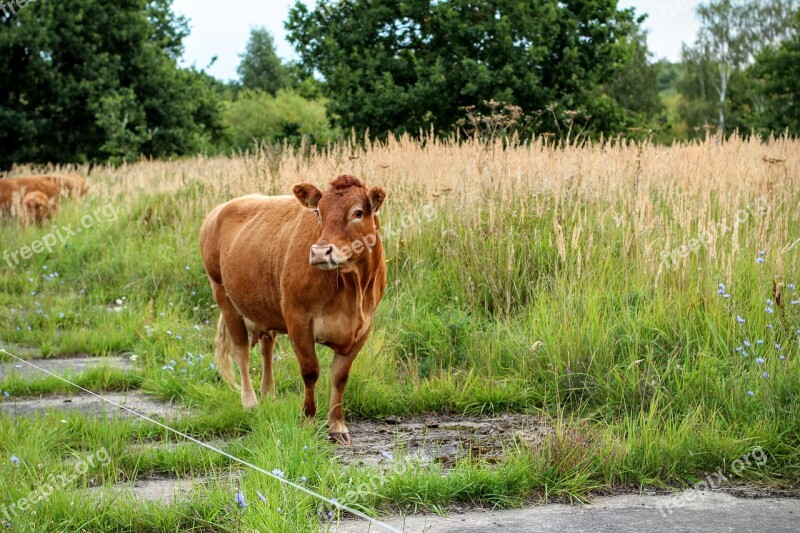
[
  {"x": 95, "y": 80},
  {"x": 732, "y": 34},
  {"x": 404, "y": 66},
  {"x": 635, "y": 84},
  {"x": 778, "y": 70},
  {"x": 261, "y": 68}
]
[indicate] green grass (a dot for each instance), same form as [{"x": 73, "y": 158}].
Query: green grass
[{"x": 639, "y": 373}]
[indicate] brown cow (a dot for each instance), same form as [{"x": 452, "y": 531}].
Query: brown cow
[
  {"x": 311, "y": 266},
  {"x": 12, "y": 191},
  {"x": 37, "y": 207}
]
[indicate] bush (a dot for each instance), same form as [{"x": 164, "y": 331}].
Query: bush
[{"x": 256, "y": 116}]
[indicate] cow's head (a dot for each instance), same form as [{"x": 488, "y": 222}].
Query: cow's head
[{"x": 346, "y": 212}]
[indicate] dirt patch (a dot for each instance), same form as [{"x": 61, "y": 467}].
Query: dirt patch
[
  {"x": 164, "y": 491},
  {"x": 86, "y": 404},
  {"x": 63, "y": 367},
  {"x": 442, "y": 439}
]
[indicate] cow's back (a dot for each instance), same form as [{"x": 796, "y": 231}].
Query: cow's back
[
  {"x": 244, "y": 244},
  {"x": 11, "y": 188}
]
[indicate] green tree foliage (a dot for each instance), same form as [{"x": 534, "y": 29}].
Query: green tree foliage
[
  {"x": 259, "y": 117},
  {"x": 635, "y": 84},
  {"x": 261, "y": 68},
  {"x": 404, "y": 66},
  {"x": 82, "y": 81},
  {"x": 778, "y": 71}
]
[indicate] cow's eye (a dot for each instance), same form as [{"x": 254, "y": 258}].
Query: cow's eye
[{"x": 358, "y": 214}]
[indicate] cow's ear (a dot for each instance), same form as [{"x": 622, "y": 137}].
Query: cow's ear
[
  {"x": 307, "y": 194},
  {"x": 376, "y": 197}
]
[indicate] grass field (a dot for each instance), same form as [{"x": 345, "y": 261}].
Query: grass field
[{"x": 640, "y": 297}]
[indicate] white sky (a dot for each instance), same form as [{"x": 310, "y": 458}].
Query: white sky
[{"x": 221, "y": 29}]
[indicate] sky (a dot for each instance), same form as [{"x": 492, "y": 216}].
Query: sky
[{"x": 222, "y": 32}]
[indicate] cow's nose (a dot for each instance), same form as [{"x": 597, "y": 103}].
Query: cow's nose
[{"x": 321, "y": 254}]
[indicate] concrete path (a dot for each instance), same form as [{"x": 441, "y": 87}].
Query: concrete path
[{"x": 687, "y": 512}]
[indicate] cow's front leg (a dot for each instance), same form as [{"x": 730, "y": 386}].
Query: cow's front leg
[
  {"x": 304, "y": 348},
  {"x": 340, "y": 371}
]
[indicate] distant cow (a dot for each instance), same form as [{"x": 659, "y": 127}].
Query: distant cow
[
  {"x": 311, "y": 266},
  {"x": 37, "y": 207},
  {"x": 12, "y": 191}
]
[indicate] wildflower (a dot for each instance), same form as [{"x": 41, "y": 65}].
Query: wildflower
[
  {"x": 30, "y": 279},
  {"x": 303, "y": 479},
  {"x": 762, "y": 253},
  {"x": 197, "y": 328},
  {"x": 169, "y": 332},
  {"x": 261, "y": 497},
  {"x": 745, "y": 354},
  {"x": 721, "y": 287},
  {"x": 387, "y": 455},
  {"x": 213, "y": 366},
  {"x": 161, "y": 314},
  {"x": 769, "y": 310},
  {"x": 769, "y": 325},
  {"x": 278, "y": 472},
  {"x": 739, "y": 349},
  {"x": 61, "y": 315},
  {"x": 760, "y": 360},
  {"x": 134, "y": 357},
  {"x": 778, "y": 347},
  {"x": 740, "y": 320},
  {"x": 790, "y": 286},
  {"x": 726, "y": 295},
  {"x": 770, "y": 302},
  {"x": 15, "y": 460},
  {"x": 240, "y": 500},
  {"x": 33, "y": 293},
  {"x": 760, "y": 341},
  {"x": 187, "y": 267},
  {"x": 747, "y": 343},
  {"x": 168, "y": 367},
  {"x": 178, "y": 337},
  {"x": 6, "y": 394},
  {"x": 306, "y": 447},
  {"x": 765, "y": 375},
  {"x": 760, "y": 260},
  {"x": 330, "y": 515},
  {"x": 279, "y": 509},
  {"x": 751, "y": 393},
  {"x": 782, "y": 358},
  {"x": 795, "y": 302},
  {"x": 721, "y": 292}
]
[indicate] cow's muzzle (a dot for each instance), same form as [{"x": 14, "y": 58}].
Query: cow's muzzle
[{"x": 324, "y": 257}]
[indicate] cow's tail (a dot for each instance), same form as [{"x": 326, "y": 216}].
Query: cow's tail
[{"x": 223, "y": 355}]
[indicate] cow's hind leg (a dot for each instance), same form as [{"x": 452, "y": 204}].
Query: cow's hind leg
[
  {"x": 267, "y": 345},
  {"x": 304, "y": 348},
  {"x": 237, "y": 331}
]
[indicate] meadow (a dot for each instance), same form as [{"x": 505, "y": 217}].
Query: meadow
[{"x": 641, "y": 298}]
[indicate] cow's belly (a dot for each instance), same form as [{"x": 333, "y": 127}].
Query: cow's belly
[{"x": 339, "y": 330}]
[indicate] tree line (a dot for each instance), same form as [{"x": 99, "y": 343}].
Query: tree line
[{"x": 101, "y": 81}]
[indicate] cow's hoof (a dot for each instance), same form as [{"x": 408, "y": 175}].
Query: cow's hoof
[
  {"x": 340, "y": 438},
  {"x": 249, "y": 404}
]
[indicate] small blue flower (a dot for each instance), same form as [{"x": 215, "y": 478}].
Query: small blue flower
[
  {"x": 240, "y": 500},
  {"x": 212, "y": 366},
  {"x": 745, "y": 354},
  {"x": 721, "y": 291},
  {"x": 278, "y": 509},
  {"x": 769, "y": 325},
  {"x": 760, "y": 360},
  {"x": 762, "y": 253},
  {"x": 197, "y": 328},
  {"x": 760, "y": 341},
  {"x": 781, "y": 357},
  {"x": 760, "y": 260},
  {"x": 721, "y": 287},
  {"x": 261, "y": 497},
  {"x": 747, "y": 343},
  {"x": 330, "y": 515},
  {"x": 187, "y": 268},
  {"x": 778, "y": 347},
  {"x": 765, "y": 375},
  {"x": 795, "y": 302},
  {"x": 739, "y": 349},
  {"x": 169, "y": 332},
  {"x": 751, "y": 393},
  {"x": 278, "y": 472},
  {"x": 303, "y": 479},
  {"x": 726, "y": 295},
  {"x": 178, "y": 337},
  {"x": 306, "y": 447},
  {"x": 790, "y": 286},
  {"x": 61, "y": 315},
  {"x": 770, "y": 302},
  {"x": 769, "y": 310},
  {"x": 740, "y": 320},
  {"x": 15, "y": 460},
  {"x": 168, "y": 367}
]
